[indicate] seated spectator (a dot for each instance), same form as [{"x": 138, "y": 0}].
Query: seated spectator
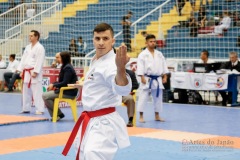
[
  {"x": 204, "y": 57},
  {"x": 67, "y": 76},
  {"x": 82, "y": 47},
  {"x": 232, "y": 64},
  {"x": 128, "y": 100},
  {"x": 12, "y": 67},
  {"x": 73, "y": 48},
  {"x": 2, "y": 66},
  {"x": 193, "y": 25},
  {"x": 224, "y": 24},
  {"x": 56, "y": 63},
  {"x": 2, "y": 62},
  {"x": 202, "y": 16}
]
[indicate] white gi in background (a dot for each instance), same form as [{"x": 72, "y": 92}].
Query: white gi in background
[
  {"x": 224, "y": 24},
  {"x": 100, "y": 78},
  {"x": 149, "y": 65},
  {"x": 33, "y": 59}
]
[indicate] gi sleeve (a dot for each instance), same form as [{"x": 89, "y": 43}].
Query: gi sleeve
[
  {"x": 140, "y": 65},
  {"x": 110, "y": 76}
]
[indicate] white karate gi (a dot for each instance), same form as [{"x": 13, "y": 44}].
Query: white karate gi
[
  {"x": 149, "y": 65},
  {"x": 224, "y": 24},
  {"x": 106, "y": 133},
  {"x": 33, "y": 57}
]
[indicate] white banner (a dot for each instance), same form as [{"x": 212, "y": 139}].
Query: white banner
[{"x": 199, "y": 81}]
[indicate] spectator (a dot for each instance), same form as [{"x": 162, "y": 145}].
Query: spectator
[
  {"x": 224, "y": 24},
  {"x": 202, "y": 16},
  {"x": 193, "y": 25},
  {"x": 56, "y": 63},
  {"x": 2, "y": 63},
  {"x": 128, "y": 100},
  {"x": 193, "y": 4},
  {"x": 12, "y": 67},
  {"x": 180, "y": 4},
  {"x": 2, "y": 66},
  {"x": 82, "y": 47},
  {"x": 232, "y": 64},
  {"x": 73, "y": 48},
  {"x": 67, "y": 76},
  {"x": 144, "y": 34},
  {"x": 126, "y": 23}
]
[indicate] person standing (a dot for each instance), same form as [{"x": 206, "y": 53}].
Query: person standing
[
  {"x": 103, "y": 130},
  {"x": 82, "y": 47},
  {"x": 67, "y": 76},
  {"x": 152, "y": 69},
  {"x": 126, "y": 23},
  {"x": 31, "y": 66}
]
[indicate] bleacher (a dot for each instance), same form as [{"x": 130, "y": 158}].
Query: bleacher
[
  {"x": 179, "y": 44},
  {"x": 85, "y": 21}
]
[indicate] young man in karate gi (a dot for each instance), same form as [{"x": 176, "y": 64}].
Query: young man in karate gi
[
  {"x": 103, "y": 130},
  {"x": 152, "y": 68},
  {"x": 31, "y": 73}
]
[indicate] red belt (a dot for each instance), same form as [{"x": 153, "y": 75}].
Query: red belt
[
  {"x": 84, "y": 118},
  {"x": 27, "y": 70}
]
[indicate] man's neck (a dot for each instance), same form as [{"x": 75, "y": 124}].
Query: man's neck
[
  {"x": 33, "y": 43},
  {"x": 151, "y": 50}
]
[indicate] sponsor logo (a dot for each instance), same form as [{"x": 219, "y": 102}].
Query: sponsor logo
[
  {"x": 220, "y": 82},
  {"x": 197, "y": 82}
]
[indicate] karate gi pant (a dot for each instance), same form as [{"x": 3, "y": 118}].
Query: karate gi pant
[
  {"x": 100, "y": 139},
  {"x": 219, "y": 29},
  {"x": 34, "y": 92},
  {"x": 143, "y": 97}
]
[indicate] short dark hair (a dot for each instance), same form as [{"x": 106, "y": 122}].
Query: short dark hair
[
  {"x": 12, "y": 55},
  {"x": 205, "y": 52},
  {"x": 150, "y": 36},
  {"x": 36, "y": 33},
  {"x": 80, "y": 37},
  {"x": 130, "y": 12},
  {"x": 66, "y": 58},
  {"x": 103, "y": 27}
]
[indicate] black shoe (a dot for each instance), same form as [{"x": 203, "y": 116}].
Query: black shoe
[
  {"x": 59, "y": 117},
  {"x": 130, "y": 124},
  {"x": 24, "y": 112}
]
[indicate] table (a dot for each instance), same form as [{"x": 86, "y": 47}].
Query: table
[{"x": 207, "y": 82}]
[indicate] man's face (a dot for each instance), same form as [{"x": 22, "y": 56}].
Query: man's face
[
  {"x": 151, "y": 43},
  {"x": 80, "y": 40},
  {"x": 103, "y": 42},
  {"x": 10, "y": 59},
  {"x": 203, "y": 56},
  {"x": 58, "y": 58},
  {"x": 32, "y": 37},
  {"x": 233, "y": 58},
  {"x": 129, "y": 15}
]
